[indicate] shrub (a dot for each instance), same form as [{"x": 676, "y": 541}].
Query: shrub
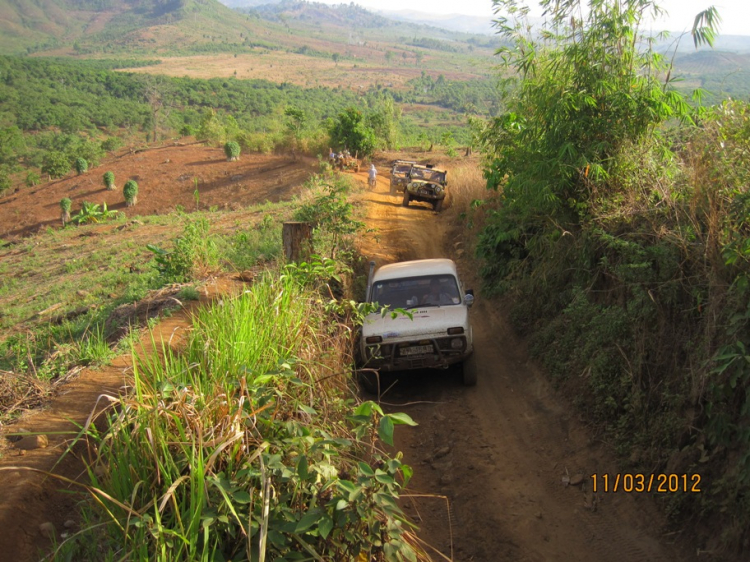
[
  {"x": 32, "y": 178},
  {"x": 130, "y": 192},
  {"x": 81, "y": 165},
  {"x": 5, "y": 183},
  {"x": 112, "y": 143},
  {"x": 55, "y": 165},
  {"x": 232, "y": 150},
  {"x": 65, "y": 205},
  {"x": 194, "y": 251},
  {"x": 109, "y": 181}
]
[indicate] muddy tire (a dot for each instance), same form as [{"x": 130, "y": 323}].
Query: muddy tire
[
  {"x": 407, "y": 198},
  {"x": 368, "y": 380},
  {"x": 438, "y": 205},
  {"x": 469, "y": 371}
]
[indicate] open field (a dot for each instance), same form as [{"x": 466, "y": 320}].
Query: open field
[{"x": 305, "y": 71}]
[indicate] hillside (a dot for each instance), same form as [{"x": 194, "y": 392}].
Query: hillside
[{"x": 41, "y": 25}]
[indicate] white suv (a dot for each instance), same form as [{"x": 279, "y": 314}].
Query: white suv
[{"x": 438, "y": 334}]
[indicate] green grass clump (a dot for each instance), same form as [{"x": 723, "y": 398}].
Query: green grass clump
[{"x": 244, "y": 446}]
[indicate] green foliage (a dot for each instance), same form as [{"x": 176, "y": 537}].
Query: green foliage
[
  {"x": 5, "y": 181},
  {"x": 65, "y": 205},
  {"x": 242, "y": 450},
  {"x": 91, "y": 213},
  {"x": 81, "y": 166},
  {"x": 195, "y": 251},
  {"x": 56, "y": 164},
  {"x": 232, "y": 151},
  {"x": 628, "y": 263},
  {"x": 111, "y": 144},
  {"x": 32, "y": 178},
  {"x": 130, "y": 192},
  {"x": 332, "y": 215},
  {"x": 350, "y": 130},
  {"x": 109, "y": 180},
  {"x": 577, "y": 101}
]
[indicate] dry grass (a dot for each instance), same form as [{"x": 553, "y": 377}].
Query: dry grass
[{"x": 466, "y": 185}]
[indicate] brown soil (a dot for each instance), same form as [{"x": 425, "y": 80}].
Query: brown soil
[
  {"x": 490, "y": 461},
  {"x": 166, "y": 178}
]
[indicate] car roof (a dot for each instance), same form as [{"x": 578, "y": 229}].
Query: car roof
[{"x": 415, "y": 268}]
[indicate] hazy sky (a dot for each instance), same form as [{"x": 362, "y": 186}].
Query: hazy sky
[{"x": 735, "y": 14}]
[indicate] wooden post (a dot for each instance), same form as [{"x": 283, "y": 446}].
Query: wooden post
[{"x": 297, "y": 238}]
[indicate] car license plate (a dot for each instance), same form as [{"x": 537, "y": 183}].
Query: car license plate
[{"x": 416, "y": 350}]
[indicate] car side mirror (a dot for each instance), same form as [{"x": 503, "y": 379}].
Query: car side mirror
[{"x": 469, "y": 298}]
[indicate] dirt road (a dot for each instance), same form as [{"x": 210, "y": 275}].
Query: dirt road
[{"x": 492, "y": 458}]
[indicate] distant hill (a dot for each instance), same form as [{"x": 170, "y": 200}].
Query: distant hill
[
  {"x": 338, "y": 14},
  {"x": 452, "y": 22},
  {"x": 33, "y": 25}
]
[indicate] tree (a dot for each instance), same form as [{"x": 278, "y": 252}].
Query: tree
[
  {"x": 130, "y": 192},
  {"x": 296, "y": 122},
  {"x": 584, "y": 89},
  {"x": 350, "y": 130},
  {"x": 384, "y": 121},
  {"x": 5, "y": 182},
  {"x": 55, "y": 165},
  {"x": 336, "y": 57}
]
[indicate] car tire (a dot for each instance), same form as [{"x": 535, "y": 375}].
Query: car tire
[
  {"x": 407, "y": 198},
  {"x": 469, "y": 371},
  {"x": 369, "y": 381},
  {"x": 438, "y": 205}
]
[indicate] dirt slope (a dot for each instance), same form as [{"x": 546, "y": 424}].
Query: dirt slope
[
  {"x": 497, "y": 453},
  {"x": 166, "y": 177}
]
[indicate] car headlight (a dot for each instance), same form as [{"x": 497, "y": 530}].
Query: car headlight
[
  {"x": 457, "y": 343},
  {"x": 438, "y": 189}
]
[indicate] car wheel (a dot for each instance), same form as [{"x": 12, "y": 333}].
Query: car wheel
[
  {"x": 407, "y": 198},
  {"x": 369, "y": 380},
  {"x": 438, "y": 205},
  {"x": 469, "y": 371}
]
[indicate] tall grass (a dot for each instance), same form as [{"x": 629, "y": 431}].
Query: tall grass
[
  {"x": 243, "y": 445},
  {"x": 466, "y": 186}
]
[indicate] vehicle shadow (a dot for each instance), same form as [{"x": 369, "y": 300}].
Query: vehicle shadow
[
  {"x": 422, "y": 384},
  {"x": 413, "y": 206}
]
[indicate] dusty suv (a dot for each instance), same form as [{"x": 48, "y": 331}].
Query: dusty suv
[
  {"x": 426, "y": 184},
  {"x": 400, "y": 175},
  {"x": 438, "y": 334}
]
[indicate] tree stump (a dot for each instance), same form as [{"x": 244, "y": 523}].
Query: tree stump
[{"x": 297, "y": 239}]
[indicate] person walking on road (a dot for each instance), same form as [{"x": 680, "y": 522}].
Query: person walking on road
[{"x": 373, "y": 176}]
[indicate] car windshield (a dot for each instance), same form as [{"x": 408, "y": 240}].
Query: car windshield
[
  {"x": 401, "y": 168},
  {"x": 416, "y": 292},
  {"x": 428, "y": 175}
]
